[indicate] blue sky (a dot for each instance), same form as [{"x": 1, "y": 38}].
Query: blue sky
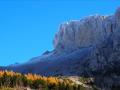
[{"x": 27, "y": 27}]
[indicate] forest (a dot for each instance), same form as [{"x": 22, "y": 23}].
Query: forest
[{"x": 10, "y": 79}]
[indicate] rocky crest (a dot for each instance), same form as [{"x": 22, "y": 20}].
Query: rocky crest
[{"x": 85, "y": 32}]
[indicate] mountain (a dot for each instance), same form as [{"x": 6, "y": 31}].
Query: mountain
[
  {"x": 75, "y": 41},
  {"x": 87, "y": 47},
  {"x": 87, "y": 44}
]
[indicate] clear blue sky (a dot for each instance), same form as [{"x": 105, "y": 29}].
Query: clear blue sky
[{"x": 27, "y": 27}]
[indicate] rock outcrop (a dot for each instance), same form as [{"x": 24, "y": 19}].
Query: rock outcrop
[{"x": 84, "y": 33}]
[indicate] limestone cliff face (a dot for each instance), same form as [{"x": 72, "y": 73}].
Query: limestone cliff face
[{"x": 86, "y": 32}]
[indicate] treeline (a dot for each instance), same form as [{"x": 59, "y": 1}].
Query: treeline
[{"x": 12, "y": 79}]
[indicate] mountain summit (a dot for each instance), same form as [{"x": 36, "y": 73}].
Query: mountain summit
[{"x": 89, "y": 47}]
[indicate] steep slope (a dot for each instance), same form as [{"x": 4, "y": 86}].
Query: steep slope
[{"x": 89, "y": 46}]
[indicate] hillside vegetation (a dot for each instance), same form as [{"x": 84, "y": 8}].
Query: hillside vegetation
[{"x": 18, "y": 81}]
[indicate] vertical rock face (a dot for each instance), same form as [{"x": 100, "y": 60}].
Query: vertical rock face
[
  {"x": 78, "y": 34},
  {"x": 86, "y": 32}
]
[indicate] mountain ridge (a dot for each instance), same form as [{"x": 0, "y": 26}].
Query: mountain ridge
[{"x": 81, "y": 47}]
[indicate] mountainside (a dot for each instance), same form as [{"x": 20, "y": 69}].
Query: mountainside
[
  {"x": 86, "y": 47},
  {"x": 92, "y": 41}
]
